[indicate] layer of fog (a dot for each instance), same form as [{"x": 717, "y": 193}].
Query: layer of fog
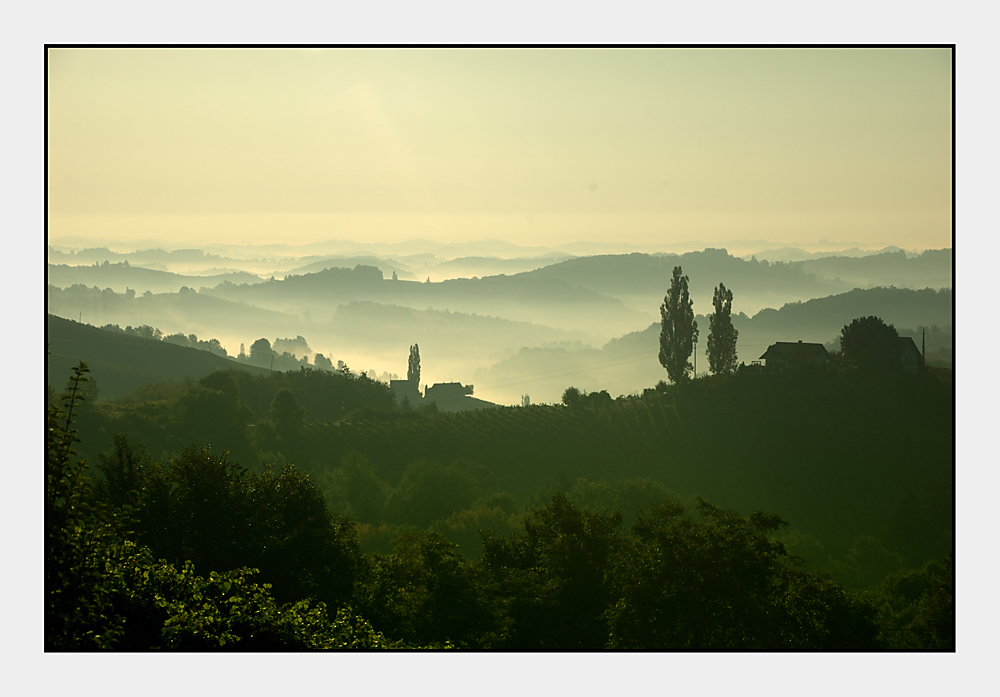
[{"x": 550, "y": 321}]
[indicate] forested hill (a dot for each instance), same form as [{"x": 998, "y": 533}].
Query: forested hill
[
  {"x": 548, "y": 301},
  {"x": 901, "y": 307},
  {"x": 120, "y": 363},
  {"x": 641, "y": 274},
  {"x": 628, "y": 363},
  {"x": 839, "y": 453},
  {"x": 638, "y": 272},
  {"x": 761, "y": 283},
  {"x": 368, "y": 283},
  {"x": 122, "y": 276},
  {"x": 185, "y": 311},
  {"x": 932, "y": 269}
]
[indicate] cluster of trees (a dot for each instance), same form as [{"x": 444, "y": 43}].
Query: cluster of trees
[
  {"x": 199, "y": 553},
  {"x": 679, "y": 331},
  {"x": 104, "y": 590},
  {"x": 277, "y": 356},
  {"x": 867, "y": 342},
  {"x": 870, "y": 344},
  {"x": 900, "y": 445},
  {"x": 145, "y": 331},
  {"x": 285, "y": 354}
]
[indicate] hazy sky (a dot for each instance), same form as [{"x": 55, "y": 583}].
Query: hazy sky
[{"x": 536, "y": 147}]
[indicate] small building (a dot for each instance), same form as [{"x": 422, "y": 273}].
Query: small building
[
  {"x": 454, "y": 396},
  {"x": 788, "y": 355},
  {"x": 447, "y": 389},
  {"x": 404, "y": 389},
  {"x": 909, "y": 356}
]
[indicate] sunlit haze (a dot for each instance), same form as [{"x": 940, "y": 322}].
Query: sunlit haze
[{"x": 656, "y": 149}]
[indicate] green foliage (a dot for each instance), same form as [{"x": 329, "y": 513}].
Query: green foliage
[
  {"x": 917, "y": 608},
  {"x": 102, "y": 591},
  {"x": 679, "y": 330},
  {"x": 356, "y": 490},
  {"x": 627, "y": 497},
  {"x": 866, "y": 563},
  {"x": 720, "y": 582},
  {"x": 413, "y": 366},
  {"x": 261, "y": 353},
  {"x": 211, "y": 511},
  {"x": 168, "y": 607},
  {"x": 494, "y": 515},
  {"x": 550, "y": 580},
  {"x": 422, "y": 593},
  {"x": 870, "y": 344},
  {"x": 80, "y": 535},
  {"x": 571, "y": 396},
  {"x": 722, "y": 335},
  {"x": 429, "y": 490},
  {"x": 213, "y": 410},
  {"x": 286, "y": 413}
]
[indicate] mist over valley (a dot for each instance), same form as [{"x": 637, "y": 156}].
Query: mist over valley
[
  {"x": 590, "y": 321},
  {"x": 501, "y": 349}
]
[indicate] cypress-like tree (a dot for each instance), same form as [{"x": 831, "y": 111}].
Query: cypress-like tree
[
  {"x": 413, "y": 366},
  {"x": 722, "y": 334},
  {"x": 679, "y": 330}
]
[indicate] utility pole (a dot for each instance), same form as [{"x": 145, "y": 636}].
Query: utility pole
[{"x": 923, "y": 343}]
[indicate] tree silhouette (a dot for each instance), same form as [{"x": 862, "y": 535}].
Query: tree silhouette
[
  {"x": 870, "y": 344},
  {"x": 286, "y": 412},
  {"x": 571, "y": 396},
  {"x": 260, "y": 353},
  {"x": 722, "y": 334},
  {"x": 679, "y": 330},
  {"x": 413, "y": 366}
]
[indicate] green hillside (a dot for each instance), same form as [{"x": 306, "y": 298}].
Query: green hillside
[
  {"x": 840, "y": 454},
  {"x": 121, "y": 363}
]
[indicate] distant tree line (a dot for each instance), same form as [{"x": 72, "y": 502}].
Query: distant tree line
[{"x": 189, "y": 341}]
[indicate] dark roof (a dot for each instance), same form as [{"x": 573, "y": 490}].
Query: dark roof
[
  {"x": 795, "y": 352},
  {"x": 906, "y": 342}
]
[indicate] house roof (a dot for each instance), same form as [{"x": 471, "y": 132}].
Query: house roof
[{"x": 795, "y": 352}]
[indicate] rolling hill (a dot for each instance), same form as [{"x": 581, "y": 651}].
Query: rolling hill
[{"x": 121, "y": 363}]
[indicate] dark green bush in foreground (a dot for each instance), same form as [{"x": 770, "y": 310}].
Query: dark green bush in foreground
[{"x": 202, "y": 554}]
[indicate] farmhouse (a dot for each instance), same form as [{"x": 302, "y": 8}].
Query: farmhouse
[
  {"x": 404, "y": 389},
  {"x": 449, "y": 396},
  {"x": 788, "y": 355},
  {"x": 909, "y": 356}
]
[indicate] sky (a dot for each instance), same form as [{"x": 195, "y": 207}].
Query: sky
[{"x": 538, "y": 147}]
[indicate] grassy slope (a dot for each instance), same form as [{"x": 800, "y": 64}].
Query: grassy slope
[{"x": 122, "y": 363}]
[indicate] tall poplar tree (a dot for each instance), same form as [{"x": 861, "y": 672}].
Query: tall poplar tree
[
  {"x": 679, "y": 330},
  {"x": 722, "y": 334},
  {"x": 413, "y": 366}
]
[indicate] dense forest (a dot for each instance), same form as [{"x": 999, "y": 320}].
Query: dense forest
[{"x": 729, "y": 512}]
